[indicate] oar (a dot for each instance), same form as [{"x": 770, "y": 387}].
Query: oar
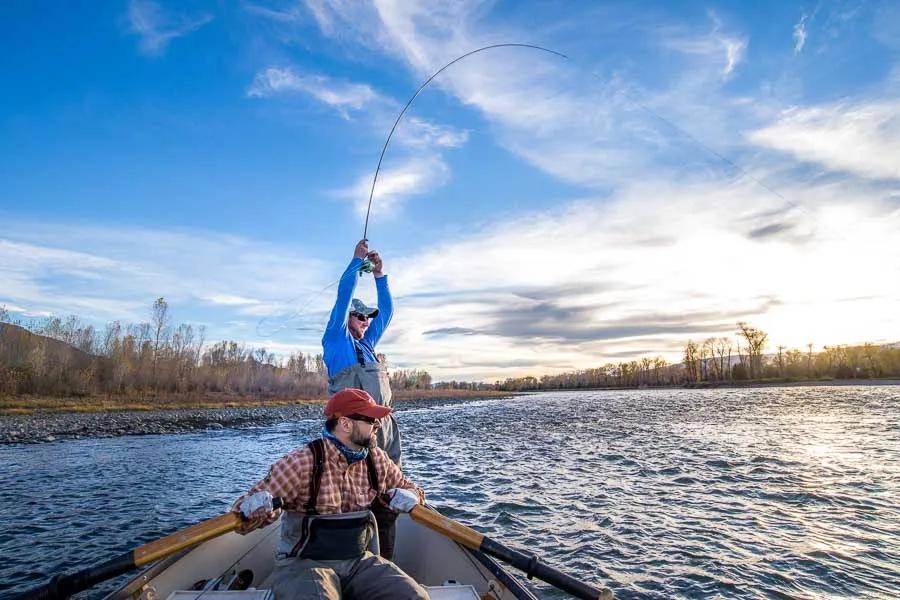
[
  {"x": 63, "y": 586},
  {"x": 531, "y": 565}
]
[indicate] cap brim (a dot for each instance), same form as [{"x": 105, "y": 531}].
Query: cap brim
[
  {"x": 373, "y": 313},
  {"x": 376, "y": 412}
]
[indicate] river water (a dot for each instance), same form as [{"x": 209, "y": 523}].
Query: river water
[{"x": 775, "y": 492}]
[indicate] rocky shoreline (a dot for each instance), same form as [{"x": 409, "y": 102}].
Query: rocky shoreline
[{"x": 50, "y": 427}]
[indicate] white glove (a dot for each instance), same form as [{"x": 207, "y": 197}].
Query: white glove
[
  {"x": 402, "y": 500},
  {"x": 254, "y": 502}
]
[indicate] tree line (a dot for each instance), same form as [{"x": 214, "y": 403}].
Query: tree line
[
  {"x": 727, "y": 360},
  {"x": 68, "y": 357}
]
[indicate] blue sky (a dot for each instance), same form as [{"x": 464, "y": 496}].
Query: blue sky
[{"x": 689, "y": 166}]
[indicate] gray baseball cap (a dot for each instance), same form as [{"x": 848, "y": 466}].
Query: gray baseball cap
[{"x": 359, "y": 307}]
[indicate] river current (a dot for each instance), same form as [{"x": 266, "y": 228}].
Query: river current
[{"x": 773, "y": 492}]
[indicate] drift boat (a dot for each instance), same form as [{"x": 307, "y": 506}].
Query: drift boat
[
  {"x": 239, "y": 567},
  {"x": 208, "y": 560}
]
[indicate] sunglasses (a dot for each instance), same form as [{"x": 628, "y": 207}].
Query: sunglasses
[
  {"x": 364, "y": 419},
  {"x": 359, "y": 316}
]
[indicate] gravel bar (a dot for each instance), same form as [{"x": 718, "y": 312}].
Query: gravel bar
[{"x": 50, "y": 427}]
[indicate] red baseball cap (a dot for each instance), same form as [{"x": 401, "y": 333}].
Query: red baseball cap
[{"x": 354, "y": 402}]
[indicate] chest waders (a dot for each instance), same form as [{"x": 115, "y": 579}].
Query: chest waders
[
  {"x": 373, "y": 378},
  {"x": 329, "y": 537}
]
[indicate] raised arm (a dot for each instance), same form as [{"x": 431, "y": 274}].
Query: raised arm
[
  {"x": 385, "y": 302},
  {"x": 346, "y": 287}
]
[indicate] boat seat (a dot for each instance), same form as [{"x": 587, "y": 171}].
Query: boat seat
[{"x": 452, "y": 592}]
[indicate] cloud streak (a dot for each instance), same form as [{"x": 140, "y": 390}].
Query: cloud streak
[
  {"x": 860, "y": 138},
  {"x": 157, "y": 28},
  {"x": 800, "y": 35},
  {"x": 340, "y": 95}
]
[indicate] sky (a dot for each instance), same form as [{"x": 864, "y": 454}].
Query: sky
[{"x": 684, "y": 167}]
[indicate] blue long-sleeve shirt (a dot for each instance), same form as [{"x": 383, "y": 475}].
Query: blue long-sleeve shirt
[{"x": 338, "y": 345}]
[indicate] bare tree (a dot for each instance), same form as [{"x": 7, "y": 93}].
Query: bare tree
[
  {"x": 809, "y": 356},
  {"x": 159, "y": 319},
  {"x": 756, "y": 343},
  {"x": 780, "y": 360},
  {"x": 691, "y": 363},
  {"x": 722, "y": 352}
]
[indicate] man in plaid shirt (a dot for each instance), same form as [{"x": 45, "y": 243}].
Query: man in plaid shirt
[{"x": 327, "y": 563}]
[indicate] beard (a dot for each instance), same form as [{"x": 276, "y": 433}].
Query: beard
[{"x": 357, "y": 437}]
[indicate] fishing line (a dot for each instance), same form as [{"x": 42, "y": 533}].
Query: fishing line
[{"x": 300, "y": 312}]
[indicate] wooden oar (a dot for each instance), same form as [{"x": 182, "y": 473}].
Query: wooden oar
[
  {"x": 531, "y": 565},
  {"x": 63, "y": 586}
]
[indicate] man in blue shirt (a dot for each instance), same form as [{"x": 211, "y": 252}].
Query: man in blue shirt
[{"x": 351, "y": 335}]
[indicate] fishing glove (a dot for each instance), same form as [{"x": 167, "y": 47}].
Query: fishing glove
[
  {"x": 254, "y": 502},
  {"x": 402, "y": 500}
]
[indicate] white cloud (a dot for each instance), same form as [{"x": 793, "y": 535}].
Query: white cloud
[
  {"x": 156, "y": 28},
  {"x": 715, "y": 48},
  {"x": 800, "y": 35},
  {"x": 413, "y": 177},
  {"x": 592, "y": 131},
  {"x": 339, "y": 95},
  {"x": 419, "y": 133},
  {"x": 642, "y": 273},
  {"x": 229, "y": 300},
  {"x": 109, "y": 273},
  {"x": 401, "y": 177},
  {"x": 862, "y": 138}
]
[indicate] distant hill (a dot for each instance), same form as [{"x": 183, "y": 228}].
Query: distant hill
[
  {"x": 35, "y": 363},
  {"x": 18, "y": 347}
]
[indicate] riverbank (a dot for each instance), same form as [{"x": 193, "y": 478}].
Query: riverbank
[
  {"x": 40, "y": 426},
  {"x": 26, "y": 405},
  {"x": 726, "y": 385}
]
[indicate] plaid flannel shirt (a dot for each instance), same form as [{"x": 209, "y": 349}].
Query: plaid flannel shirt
[{"x": 344, "y": 487}]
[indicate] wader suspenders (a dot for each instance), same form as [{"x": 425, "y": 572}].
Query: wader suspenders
[
  {"x": 315, "y": 482},
  {"x": 357, "y": 345}
]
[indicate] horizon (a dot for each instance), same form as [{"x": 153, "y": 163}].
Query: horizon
[{"x": 687, "y": 168}]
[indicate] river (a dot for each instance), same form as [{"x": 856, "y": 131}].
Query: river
[{"x": 770, "y": 492}]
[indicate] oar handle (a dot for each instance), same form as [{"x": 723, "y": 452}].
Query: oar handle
[
  {"x": 63, "y": 586},
  {"x": 531, "y": 565}
]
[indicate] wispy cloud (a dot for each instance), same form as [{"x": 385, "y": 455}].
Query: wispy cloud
[
  {"x": 715, "y": 47},
  {"x": 861, "y": 138},
  {"x": 421, "y": 170},
  {"x": 800, "y": 34},
  {"x": 340, "y": 95},
  {"x": 397, "y": 183},
  {"x": 156, "y": 27},
  {"x": 230, "y": 300}
]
